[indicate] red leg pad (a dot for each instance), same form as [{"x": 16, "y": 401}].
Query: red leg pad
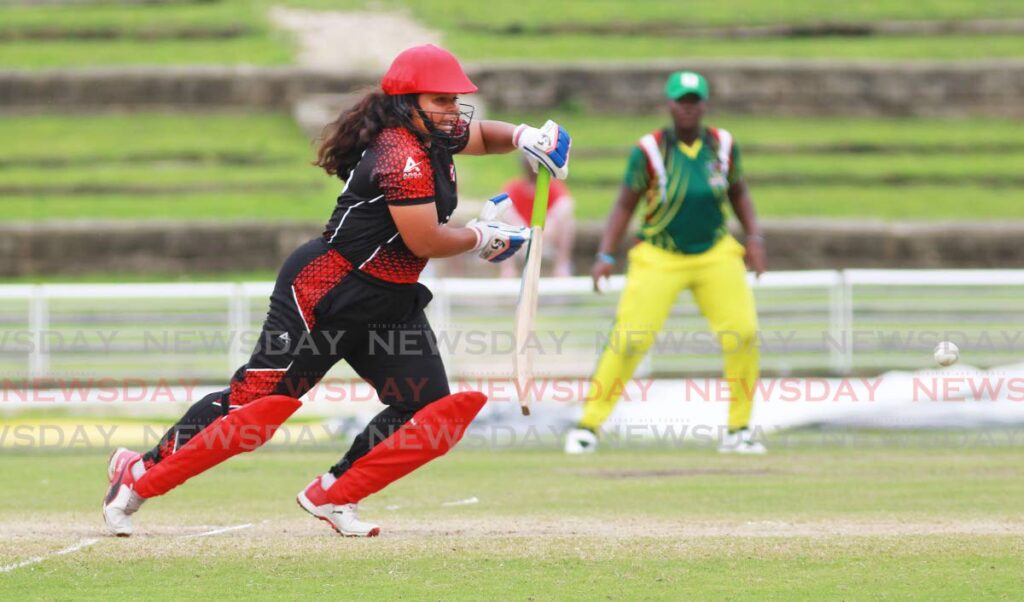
[
  {"x": 429, "y": 434},
  {"x": 242, "y": 430}
]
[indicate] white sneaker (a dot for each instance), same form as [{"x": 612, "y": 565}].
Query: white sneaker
[
  {"x": 580, "y": 441},
  {"x": 342, "y": 518},
  {"x": 741, "y": 442},
  {"x": 121, "y": 500}
]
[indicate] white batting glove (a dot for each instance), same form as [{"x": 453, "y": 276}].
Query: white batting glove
[
  {"x": 548, "y": 146},
  {"x": 497, "y": 241},
  {"x": 495, "y": 207}
]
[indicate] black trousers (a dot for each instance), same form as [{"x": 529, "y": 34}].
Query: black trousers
[{"x": 323, "y": 311}]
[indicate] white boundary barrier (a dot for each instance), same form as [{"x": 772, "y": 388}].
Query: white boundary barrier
[{"x": 239, "y": 298}]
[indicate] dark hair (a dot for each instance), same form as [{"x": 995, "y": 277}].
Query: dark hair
[{"x": 343, "y": 141}]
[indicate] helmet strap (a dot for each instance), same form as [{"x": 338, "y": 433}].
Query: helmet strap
[{"x": 402, "y": 105}]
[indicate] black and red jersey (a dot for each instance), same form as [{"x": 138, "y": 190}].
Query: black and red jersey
[{"x": 396, "y": 169}]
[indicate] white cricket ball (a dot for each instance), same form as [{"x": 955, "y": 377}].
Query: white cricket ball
[{"x": 946, "y": 353}]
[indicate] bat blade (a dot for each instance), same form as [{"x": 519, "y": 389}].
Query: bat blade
[{"x": 526, "y": 310}]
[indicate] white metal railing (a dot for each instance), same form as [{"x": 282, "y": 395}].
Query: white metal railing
[{"x": 834, "y": 302}]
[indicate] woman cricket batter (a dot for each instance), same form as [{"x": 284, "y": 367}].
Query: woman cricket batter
[
  {"x": 355, "y": 284},
  {"x": 686, "y": 171}
]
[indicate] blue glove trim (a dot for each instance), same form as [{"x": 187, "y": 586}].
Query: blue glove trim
[{"x": 514, "y": 244}]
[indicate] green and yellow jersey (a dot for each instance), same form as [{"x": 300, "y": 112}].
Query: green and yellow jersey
[{"x": 686, "y": 187}]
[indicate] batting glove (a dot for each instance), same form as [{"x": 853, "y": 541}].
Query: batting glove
[
  {"x": 548, "y": 146},
  {"x": 495, "y": 207},
  {"x": 497, "y": 241}
]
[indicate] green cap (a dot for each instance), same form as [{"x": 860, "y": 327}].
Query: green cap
[{"x": 682, "y": 83}]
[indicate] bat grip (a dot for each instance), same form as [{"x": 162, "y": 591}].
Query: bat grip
[{"x": 540, "y": 198}]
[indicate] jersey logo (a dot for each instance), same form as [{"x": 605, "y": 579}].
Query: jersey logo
[
  {"x": 412, "y": 169},
  {"x": 451, "y": 173},
  {"x": 716, "y": 176}
]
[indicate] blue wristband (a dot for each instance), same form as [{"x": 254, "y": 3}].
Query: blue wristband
[{"x": 607, "y": 258}]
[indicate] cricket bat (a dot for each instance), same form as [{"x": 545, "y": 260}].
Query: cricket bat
[{"x": 526, "y": 310}]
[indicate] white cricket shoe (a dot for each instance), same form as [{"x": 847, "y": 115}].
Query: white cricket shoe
[
  {"x": 343, "y": 518},
  {"x": 741, "y": 442},
  {"x": 121, "y": 501},
  {"x": 580, "y": 441}
]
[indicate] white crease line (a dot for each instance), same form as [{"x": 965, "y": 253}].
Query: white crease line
[
  {"x": 221, "y": 530},
  {"x": 466, "y": 502},
  {"x": 35, "y": 559}
]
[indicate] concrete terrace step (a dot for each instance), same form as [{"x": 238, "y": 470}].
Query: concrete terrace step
[
  {"x": 184, "y": 247},
  {"x": 768, "y": 86}
]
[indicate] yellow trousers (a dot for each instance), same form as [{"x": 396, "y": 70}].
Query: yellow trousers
[{"x": 717, "y": 279}]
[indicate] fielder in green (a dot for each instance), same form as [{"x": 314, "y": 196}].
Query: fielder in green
[{"x": 686, "y": 173}]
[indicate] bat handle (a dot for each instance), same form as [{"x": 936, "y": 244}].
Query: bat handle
[{"x": 541, "y": 194}]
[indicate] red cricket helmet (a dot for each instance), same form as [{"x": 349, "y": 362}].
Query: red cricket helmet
[{"x": 426, "y": 69}]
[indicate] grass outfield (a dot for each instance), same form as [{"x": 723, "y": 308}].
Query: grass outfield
[
  {"x": 620, "y": 47},
  {"x": 454, "y": 13},
  {"x": 276, "y": 49},
  {"x": 155, "y": 165},
  {"x": 813, "y": 520},
  {"x": 463, "y": 25},
  {"x": 197, "y": 166}
]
